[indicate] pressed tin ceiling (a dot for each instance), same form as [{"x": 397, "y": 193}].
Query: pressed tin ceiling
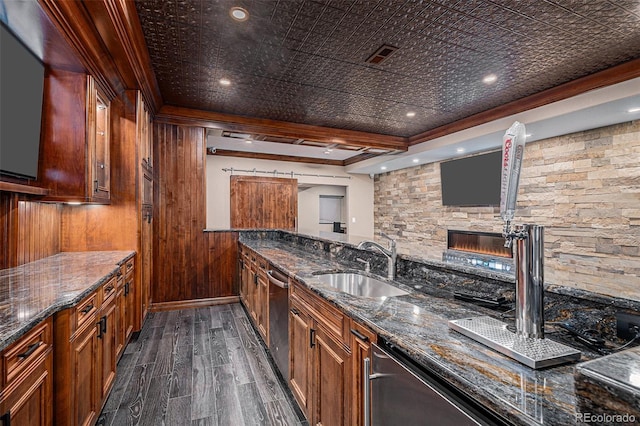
[{"x": 305, "y": 61}]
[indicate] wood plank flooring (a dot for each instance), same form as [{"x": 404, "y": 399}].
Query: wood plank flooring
[{"x": 202, "y": 366}]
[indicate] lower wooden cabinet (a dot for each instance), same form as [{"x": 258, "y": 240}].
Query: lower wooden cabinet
[
  {"x": 320, "y": 365},
  {"x": 26, "y": 392},
  {"x": 254, "y": 290},
  {"x": 89, "y": 338}
]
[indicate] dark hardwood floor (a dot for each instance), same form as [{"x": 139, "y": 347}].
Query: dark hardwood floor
[{"x": 203, "y": 366}]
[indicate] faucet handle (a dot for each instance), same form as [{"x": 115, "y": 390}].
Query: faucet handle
[
  {"x": 392, "y": 241},
  {"x": 367, "y": 265}
]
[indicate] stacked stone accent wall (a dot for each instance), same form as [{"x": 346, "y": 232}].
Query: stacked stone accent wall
[{"x": 584, "y": 188}]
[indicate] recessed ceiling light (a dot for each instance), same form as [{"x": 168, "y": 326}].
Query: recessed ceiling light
[
  {"x": 411, "y": 114},
  {"x": 248, "y": 141},
  {"x": 383, "y": 168},
  {"x": 491, "y": 78},
  {"x": 328, "y": 151},
  {"x": 634, "y": 110},
  {"x": 416, "y": 160},
  {"x": 460, "y": 150},
  {"x": 239, "y": 14},
  {"x": 225, "y": 81}
]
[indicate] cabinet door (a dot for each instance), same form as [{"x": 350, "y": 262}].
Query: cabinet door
[
  {"x": 331, "y": 379},
  {"x": 252, "y": 294},
  {"x": 300, "y": 357},
  {"x": 30, "y": 404},
  {"x": 98, "y": 142},
  {"x": 128, "y": 312},
  {"x": 121, "y": 307},
  {"x": 85, "y": 367},
  {"x": 361, "y": 339},
  {"x": 262, "y": 305},
  {"x": 107, "y": 341},
  {"x": 244, "y": 279}
]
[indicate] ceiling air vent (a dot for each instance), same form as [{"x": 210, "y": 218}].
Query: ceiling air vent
[{"x": 381, "y": 54}]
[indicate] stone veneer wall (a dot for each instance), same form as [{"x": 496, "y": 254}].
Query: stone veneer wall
[{"x": 584, "y": 188}]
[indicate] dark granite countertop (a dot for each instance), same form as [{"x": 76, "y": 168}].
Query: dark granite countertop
[
  {"x": 417, "y": 323},
  {"x": 621, "y": 370},
  {"x": 32, "y": 292}
]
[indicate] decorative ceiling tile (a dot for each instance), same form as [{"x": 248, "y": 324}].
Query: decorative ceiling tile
[{"x": 304, "y": 61}]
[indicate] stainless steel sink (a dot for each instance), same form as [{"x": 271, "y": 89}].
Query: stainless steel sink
[{"x": 360, "y": 285}]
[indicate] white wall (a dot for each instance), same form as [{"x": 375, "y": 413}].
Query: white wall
[
  {"x": 359, "y": 190},
  {"x": 309, "y": 207}
]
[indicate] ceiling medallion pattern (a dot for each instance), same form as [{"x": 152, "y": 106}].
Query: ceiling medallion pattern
[{"x": 304, "y": 61}]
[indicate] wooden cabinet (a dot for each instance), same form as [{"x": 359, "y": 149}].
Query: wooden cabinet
[
  {"x": 320, "y": 360},
  {"x": 75, "y": 148},
  {"x": 254, "y": 291},
  {"x": 88, "y": 340},
  {"x": 126, "y": 305},
  {"x": 361, "y": 339},
  {"x": 26, "y": 370}
]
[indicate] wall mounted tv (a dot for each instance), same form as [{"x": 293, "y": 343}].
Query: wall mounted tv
[
  {"x": 471, "y": 181},
  {"x": 21, "y": 89}
]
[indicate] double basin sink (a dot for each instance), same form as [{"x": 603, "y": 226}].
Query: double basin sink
[{"x": 359, "y": 284}]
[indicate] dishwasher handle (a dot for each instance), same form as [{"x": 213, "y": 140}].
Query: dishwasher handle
[
  {"x": 273, "y": 280},
  {"x": 366, "y": 384}
]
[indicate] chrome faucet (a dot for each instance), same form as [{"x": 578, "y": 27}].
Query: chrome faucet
[{"x": 390, "y": 253}]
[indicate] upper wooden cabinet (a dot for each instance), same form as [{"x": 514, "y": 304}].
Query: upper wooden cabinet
[{"x": 75, "y": 145}]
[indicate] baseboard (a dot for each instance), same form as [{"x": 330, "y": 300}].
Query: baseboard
[{"x": 193, "y": 303}]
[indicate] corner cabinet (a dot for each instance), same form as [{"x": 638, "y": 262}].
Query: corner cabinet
[{"x": 75, "y": 145}]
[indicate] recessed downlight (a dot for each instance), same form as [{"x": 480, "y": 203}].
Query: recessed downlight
[
  {"x": 225, "y": 81},
  {"x": 634, "y": 109},
  {"x": 416, "y": 160},
  {"x": 411, "y": 114},
  {"x": 248, "y": 141},
  {"x": 383, "y": 168},
  {"x": 460, "y": 150},
  {"x": 528, "y": 135},
  {"x": 491, "y": 78},
  {"x": 239, "y": 14}
]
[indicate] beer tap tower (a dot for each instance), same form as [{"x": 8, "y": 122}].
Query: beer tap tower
[{"x": 527, "y": 345}]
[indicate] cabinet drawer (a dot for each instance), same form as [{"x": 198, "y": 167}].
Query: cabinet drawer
[
  {"x": 330, "y": 318},
  {"x": 19, "y": 356},
  {"x": 109, "y": 289},
  {"x": 86, "y": 309}
]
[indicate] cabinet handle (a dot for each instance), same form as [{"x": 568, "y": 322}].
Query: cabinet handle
[
  {"x": 87, "y": 308},
  {"x": 102, "y": 327},
  {"x": 95, "y": 185},
  {"x": 312, "y": 338},
  {"x": 126, "y": 288},
  {"x": 119, "y": 274},
  {"x": 294, "y": 311},
  {"x": 109, "y": 288},
  {"x": 359, "y": 335},
  {"x": 32, "y": 348},
  {"x": 255, "y": 279},
  {"x": 242, "y": 264},
  {"x": 6, "y": 418}
]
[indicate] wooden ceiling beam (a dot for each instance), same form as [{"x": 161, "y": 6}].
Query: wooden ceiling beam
[
  {"x": 614, "y": 75},
  {"x": 235, "y": 123}
]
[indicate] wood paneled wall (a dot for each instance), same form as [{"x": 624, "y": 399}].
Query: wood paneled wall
[
  {"x": 188, "y": 263},
  {"x": 38, "y": 231},
  {"x": 29, "y": 230},
  {"x": 180, "y": 255}
]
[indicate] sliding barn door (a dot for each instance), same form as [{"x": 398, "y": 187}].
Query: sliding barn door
[{"x": 263, "y": 202}]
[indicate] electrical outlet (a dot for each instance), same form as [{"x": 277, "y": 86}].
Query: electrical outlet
[{"x": 628, "y": 325}]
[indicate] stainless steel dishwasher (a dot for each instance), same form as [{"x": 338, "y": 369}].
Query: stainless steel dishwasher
[
  {"x": 402, "y": 393},
  {"x": 279, "y": 319}
]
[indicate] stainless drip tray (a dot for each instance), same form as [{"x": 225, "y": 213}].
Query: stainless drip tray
[{"x": 534, "y": 353}]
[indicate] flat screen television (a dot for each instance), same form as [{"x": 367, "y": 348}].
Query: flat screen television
[
  {"x": 471, "y": 181},
  {"x": 21, "y": 90}
]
